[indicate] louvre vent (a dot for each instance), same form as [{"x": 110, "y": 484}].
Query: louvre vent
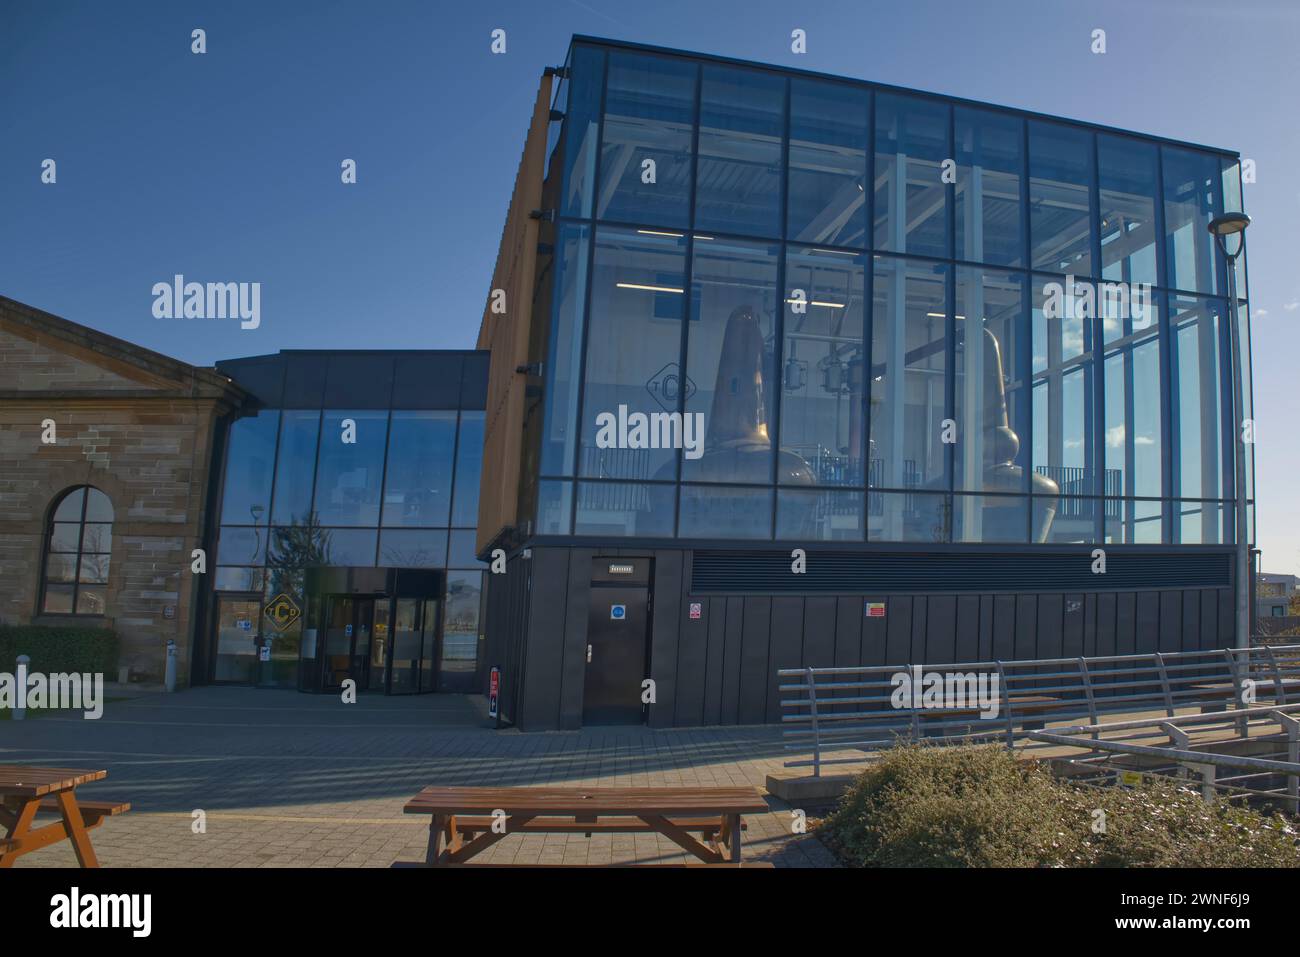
[{"x": 841, "y": 573}]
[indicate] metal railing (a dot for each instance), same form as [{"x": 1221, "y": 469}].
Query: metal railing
[
  {"x": 865, "y": 709},
  {"x": 1273, "y": 775}
]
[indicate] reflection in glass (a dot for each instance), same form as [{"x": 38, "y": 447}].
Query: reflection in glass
[
  {"x": 1197, "y": 413},
  {"x": 349, "y": 472},
  {"x": 1193, "y": 196},
  {"x": 625, "y": 509},
  {"x": 295, "y": 466},
  {"x": 1126, "y": 175},
  {"x": 822, "y": 373},
  {"x": 990, "y": 168},
  {"x": 78, "y": 547},
  {"x": 469, "y": 469},
  {"x": 1060, "y": 214},
  {"x": 911, "y": 214},
  {"x": 828, "y": 164},
  {"x": 721, "y": 512},
  {"x": 742, "y": 115},
  {"x": 633, "y": 344},
  {"x": 1063, "y": 390},
  {"x": 819, "y": 515},
  {"x": 581, "y": 129},
  {"x": 554, "y": 507},
  {"x": 908, "y": 358},
  {"x": 250, "y": 466},
  {"x": 649, "y": 114},
  {"x": 559, "y": 434},
  {"x": 460, "y": 634},
  {"x": 1134, "y": 443},
  {"x": 241, "y": 546},
  {"x": 417, "y": 488},
  {"x": 992, "y": 412},
  {"x": 413, "y": 547},
  {"x": 1134, "y": 522},
  {"x": 908, "y": 517},
  {"x": 730, "y": 361}
]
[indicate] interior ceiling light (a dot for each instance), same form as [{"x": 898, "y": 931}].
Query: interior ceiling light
[{"x": 648, "y": 288}]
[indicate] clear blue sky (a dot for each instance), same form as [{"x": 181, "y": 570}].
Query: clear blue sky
[{"x": 226, "y": 166}]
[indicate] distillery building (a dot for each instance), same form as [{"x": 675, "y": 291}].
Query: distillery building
[{"x": 792, "y": 370}]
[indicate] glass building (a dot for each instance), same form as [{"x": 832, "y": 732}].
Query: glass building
[
  {"x": 344, "y": 523},
  {"x": 780, "y": 310}
]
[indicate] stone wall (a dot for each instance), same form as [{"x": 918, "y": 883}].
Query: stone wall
[{"x": 137, "y": 426}]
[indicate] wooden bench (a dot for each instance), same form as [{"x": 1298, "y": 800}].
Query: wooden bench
[
  {"x": 768, "y": 865},
  {"x": 92, "y": 812},
  {"x": 705, "y": 826},
  {"x": 464, "y": 816}
]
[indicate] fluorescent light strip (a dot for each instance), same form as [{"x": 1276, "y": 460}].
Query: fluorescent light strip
[
  {"x": 942, "y": 315},
  {"x": 635, "y": 285},
  {"x": 816, "y": 302}
]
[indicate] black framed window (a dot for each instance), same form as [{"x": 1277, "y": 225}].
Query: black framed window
[{"x": 78, "y": 547}]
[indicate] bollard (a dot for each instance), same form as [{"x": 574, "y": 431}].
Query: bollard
[
  {"x": 20, "y": 705},
  {"x": 169, "y": 680}
]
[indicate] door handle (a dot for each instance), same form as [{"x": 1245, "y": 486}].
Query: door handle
[{"x": 589, "y": 654}]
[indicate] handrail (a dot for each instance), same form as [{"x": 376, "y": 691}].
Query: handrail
[{"x": 1030, "y": 693}]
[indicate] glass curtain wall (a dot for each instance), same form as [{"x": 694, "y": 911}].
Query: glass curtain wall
[
  {"x": 808, "y": 310},
  {"x": 361, "y": 488}
]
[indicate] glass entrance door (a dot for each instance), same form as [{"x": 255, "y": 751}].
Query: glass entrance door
[
  {"x": 237, "y": 638},
  {"x": 348, "y": 625}
]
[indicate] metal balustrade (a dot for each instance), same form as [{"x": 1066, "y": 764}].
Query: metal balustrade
[
  {"x": 1273, "y": 775},
  {"x": 828, "y": 711}
]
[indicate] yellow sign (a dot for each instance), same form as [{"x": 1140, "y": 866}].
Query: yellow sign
[
  {"x": 281, "y": 611},
  {"x": 1130, "y": 778}
]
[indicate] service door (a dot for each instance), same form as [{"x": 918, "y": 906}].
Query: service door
[{"x": 616, "y": 655}]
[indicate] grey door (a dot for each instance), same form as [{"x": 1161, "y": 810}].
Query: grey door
[{"x": 616, "y": 655}]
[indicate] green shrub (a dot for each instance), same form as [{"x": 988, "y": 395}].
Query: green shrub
[
  {"x": 923, "y": 806},
  {"x": 57, "y": 648}
]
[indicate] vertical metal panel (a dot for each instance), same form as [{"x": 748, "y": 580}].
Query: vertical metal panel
[
  {"x": 786, "y": 648},
  {"x": 898, "y": 635},
  {"x": 753, "y": 660},
  {"x": 920, "y": 611},
  {"x": 1072, "y": 624},
  {"x": 848, "y": 636},
  {"x": 716, "y": 615},
  {"x": 1107, "y": 605},
  {"x": 1026, "y": 625},
  {"x": 1171, "y": 620},
  {"x": 573, "y": 672},
  {"x": 1147, "y": 625},
  {"x": 1189, "y": 636},
  {"x": 1227, "y": 620},
  {"x": 941, "y": 628},
  {"x": 818, "y": 632},
  {"x": 692, "y": 661},
  {"x": 1209, "y": 619},
  {"x": 966, "y": 644},
  {"x": 540, "y": 708},
  {"x": 1090, "y": 626},
  {"x": 1004, "y": 628},
  {"x": 731, "y": 661},
  {"x": 1051, "y": 620},
  {"x": 875, "y": 631},
  {"x": 665, "y": 622},
  {"x": 1126, "y": 623},
  {"x": 985, "y": 647}
]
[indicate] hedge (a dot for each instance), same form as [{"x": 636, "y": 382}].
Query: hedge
[
  {"x": 58, "y": 648},
  {"x": 980, "y": 806}
]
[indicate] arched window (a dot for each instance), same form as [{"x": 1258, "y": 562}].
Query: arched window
[{"x": 77, "y": 546}]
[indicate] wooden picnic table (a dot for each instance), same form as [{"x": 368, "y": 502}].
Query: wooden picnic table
[
  {"x": 461, "y": 813},
  {"x": 25, "y": 790}
]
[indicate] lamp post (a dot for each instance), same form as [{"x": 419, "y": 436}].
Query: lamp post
[{"x": 1226, "y": 229}]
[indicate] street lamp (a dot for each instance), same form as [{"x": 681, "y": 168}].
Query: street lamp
[{"x": 1230, "y": 230}]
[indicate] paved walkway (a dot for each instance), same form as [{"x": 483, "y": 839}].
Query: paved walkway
[{"x": 288, "y": 779}]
